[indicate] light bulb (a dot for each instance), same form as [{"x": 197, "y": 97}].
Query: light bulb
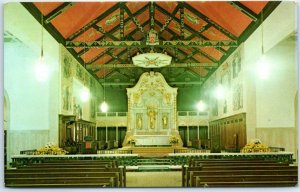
[
  {"x": 263, "y": 68},
  {"x": 201, "y": 106},
  {"x": 41, "y": 70},
  {"x": 104, "y": 107},
  {"x": 84, "y": 95}
]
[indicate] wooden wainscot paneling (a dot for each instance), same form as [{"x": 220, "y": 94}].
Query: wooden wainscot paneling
[{"x": 228, "y": 133}]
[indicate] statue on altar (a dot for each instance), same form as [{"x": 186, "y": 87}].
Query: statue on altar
[
  {"x": 152, "y": 117},
  {"x": 139, "y": 121},
  {"x": 165, "y": 121}
]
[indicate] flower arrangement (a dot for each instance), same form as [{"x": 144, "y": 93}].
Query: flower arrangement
[
  {"x": 255, "y": 146},
  {"x": 173, "y": 139},
  {"x": 50, "y": 149},
  {"x": 131, "y": 140}
]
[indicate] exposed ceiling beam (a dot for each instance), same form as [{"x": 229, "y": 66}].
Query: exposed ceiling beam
[
  {"x": 134, "y": 19},
  {"x": 239, "y": 6},
  {"x": 57, "y": 11},
  {"x": 177, "y": 50},
  {"x": 188, "y": 27},
  {"x": 151, "y": 14},
  {"x": 95, "y": 21},
  {"x": 168, "y": 21},
  {"x": 121, "y": 53},
  {"x": 130, "y": 65},
  {"x": 122, "y": 13},
  {"x": 116, "y": 28},
  {"x": 181, "y": 11},
  {"x": 100, "y": 29},
  {"x": 204, "y": 28},
  {"x": 142, "y": 44},
  {"x": 170, "y": 83},
  {"x": 98, "y": 56},
  {"x": 208, "y": 20}
]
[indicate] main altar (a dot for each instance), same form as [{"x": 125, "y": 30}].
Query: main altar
[{"x": 152, "y": 112}]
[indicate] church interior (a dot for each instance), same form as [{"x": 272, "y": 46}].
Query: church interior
[{"x": 183, "y": 93}]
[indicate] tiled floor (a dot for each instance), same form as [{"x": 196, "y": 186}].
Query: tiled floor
[{"x": 153, "y": 179}]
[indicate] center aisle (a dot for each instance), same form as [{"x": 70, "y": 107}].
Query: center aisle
[{"x": 154, "y": 179}]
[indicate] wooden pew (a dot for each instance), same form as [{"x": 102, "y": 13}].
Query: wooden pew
[
  {"x": 244, "y": 180},
  {"x": 189, "y": 171},
  {"x": 199, "y": 164},
  {"x": 85, "y": 172},
  {"x": 61, "y": 182},
  {"x": 232, "y": 167},
  {"x": 69, "y": 169},
  {"x": 113, "y": 163},
  {"x": 195, "y": 162},
  {"x": 249, "y": 184}
]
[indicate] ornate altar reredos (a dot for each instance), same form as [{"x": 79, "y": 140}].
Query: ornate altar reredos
[{"x": 152, "y": 111}]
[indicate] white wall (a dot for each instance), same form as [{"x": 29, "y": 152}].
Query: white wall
[
  {"x": 268, "y": 103},
  {"x": 33, "y": 104},
  {"x": 275, "y": 95}
]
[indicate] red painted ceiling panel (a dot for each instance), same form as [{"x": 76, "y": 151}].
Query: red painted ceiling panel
[
  {"x": 47, "y": 7},
  {"x": 103, "y": 72},
  {"x": 200, "y": 70},
  {"x": 202, "y": 59},
  {"x": 129, "y": 27},
  {"x": 135, "y": 6},
  {"x": 78, "y": 16},
  {"x": 174, "y": 26},
  {"x": 89, "y": 35},
  {"x": 224, "y": 14},
  {"x": 193, "y": 21},
  {"x": 91, "y": 53},
  {"x": 214, "y": 34},
  {"x": 103, "y": 59},
  {"x": 256, "y": 6},
  {"x": 111, "y": 21},
  {"x": 212, "y": 52},
  {"x": 142, "y": 18},
  {"x": 166, "y": 35},
  {"x": 167, "y": 5},
  {"x": 160, "y": 17}
]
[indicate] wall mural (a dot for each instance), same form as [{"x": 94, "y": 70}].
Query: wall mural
[
  {"x": 236, "y": 64},
  {"x": 67, "y": 103},
  {"x": 67, "y": 66},
  {"x": 228, "y": 76},
  {"x": 70, "y": 69},
  {"x": 226, "y": 83},
  {"x": 93, "y": 108},
  {"x": 237, "y": 97},
  {"x": 79, "y": 73}
]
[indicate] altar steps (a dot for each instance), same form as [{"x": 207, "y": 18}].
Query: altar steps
[
  {"x": 153, "y": 163},
  {"x": 152, "y": 151}
]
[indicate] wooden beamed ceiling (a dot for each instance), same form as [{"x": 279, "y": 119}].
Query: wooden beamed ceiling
[{"x": 104, "y": 36}]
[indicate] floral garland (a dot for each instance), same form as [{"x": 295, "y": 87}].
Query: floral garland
[
  {"x": 50, "y": 149},
  {"x": 173, "y": 139},
  {"x": 255, "y": 146}
]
